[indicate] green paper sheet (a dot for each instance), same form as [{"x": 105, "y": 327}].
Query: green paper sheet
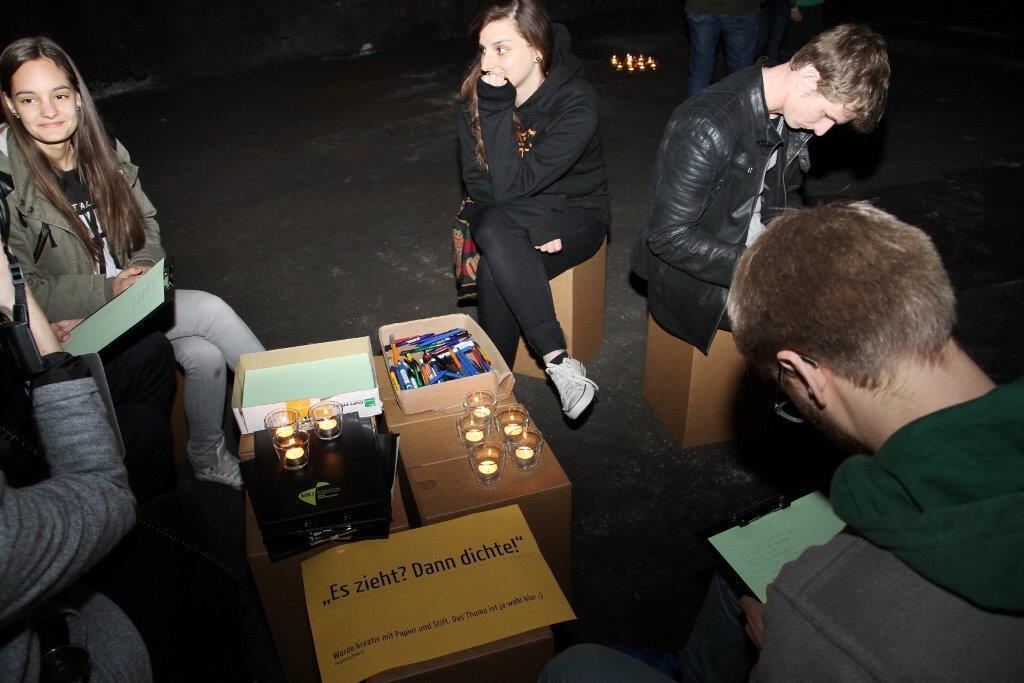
[
  {"x": 757, "y": 551},
  {"x": 316, "y": 378},
  {"x": 119, "y": 314}
]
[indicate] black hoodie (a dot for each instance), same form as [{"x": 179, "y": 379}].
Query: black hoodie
[{"x": 563, "y": 167}]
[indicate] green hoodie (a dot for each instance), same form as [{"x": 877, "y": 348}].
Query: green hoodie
[{"x": 945, "y": 494}]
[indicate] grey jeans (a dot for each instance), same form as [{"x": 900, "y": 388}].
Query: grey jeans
[{"x": 207, "y": 336}]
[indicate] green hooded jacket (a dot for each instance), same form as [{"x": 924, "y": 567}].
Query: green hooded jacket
[
  {"x": 945, "y": 494},
  {"x": 55, "y": 262}
]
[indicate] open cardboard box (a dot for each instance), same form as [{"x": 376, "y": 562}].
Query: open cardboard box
[
  {"x": 300, "y": 376},
  {"x": 447, "y": 396}
]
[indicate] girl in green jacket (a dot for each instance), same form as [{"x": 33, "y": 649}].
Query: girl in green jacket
[{"x": 84, "y": 231}]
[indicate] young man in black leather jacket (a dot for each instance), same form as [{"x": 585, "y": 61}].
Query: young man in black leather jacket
[{"x": 733, "y": 157}]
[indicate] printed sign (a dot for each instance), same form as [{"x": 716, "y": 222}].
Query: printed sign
[{"x": 428, "y": 592}]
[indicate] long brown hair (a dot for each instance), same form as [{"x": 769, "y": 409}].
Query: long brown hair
[
  {"x": 96, "y": 163},
  {"x": 534, "y": 25}
]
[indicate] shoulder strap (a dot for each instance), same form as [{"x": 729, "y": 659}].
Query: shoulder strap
[{"x": 6, "y": 188}]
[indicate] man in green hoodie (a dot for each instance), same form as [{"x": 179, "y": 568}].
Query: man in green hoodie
[{"x": 852, "y": 312}]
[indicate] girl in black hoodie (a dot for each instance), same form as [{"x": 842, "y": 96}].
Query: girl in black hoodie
[{"x": 530, "y": 150}]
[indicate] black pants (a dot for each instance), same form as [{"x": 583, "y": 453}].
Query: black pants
[
  {"x": 141, "y": 379},
  {"x": 513, "y": 294},
  {"x": 185, "y": 608}
]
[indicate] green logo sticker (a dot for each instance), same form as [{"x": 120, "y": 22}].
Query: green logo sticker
[
  {"x": 309, "y": 495},
  {"x": 369, "y": 403}
]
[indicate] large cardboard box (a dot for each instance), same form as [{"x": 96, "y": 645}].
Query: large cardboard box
[
  {"x": 299, "y": 376},
  {"x": 578, "y": 295},
  {"x": 509, "y": 660},
  {"x": 280, "y": 586},
  {"x": 447, "y": 396},
  {"x": 447, "y": 489},
  {"x": 703, "y": 399}
]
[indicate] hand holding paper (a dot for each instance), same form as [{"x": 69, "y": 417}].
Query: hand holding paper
[
  {"x": 62, "y": 328},
  {"x": 142, "y": 294},
  {"x": 126, "y": 278}
]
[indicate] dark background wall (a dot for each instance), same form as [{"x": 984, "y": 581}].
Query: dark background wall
[{"x": 166, "y": 42}]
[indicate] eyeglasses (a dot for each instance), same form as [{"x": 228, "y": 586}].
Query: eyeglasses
[{"x": 784, "y": 406}]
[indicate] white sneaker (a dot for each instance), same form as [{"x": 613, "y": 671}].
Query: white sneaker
[
  {"x": 224, "y": 472},
  {"x": 575, "y": 390}
]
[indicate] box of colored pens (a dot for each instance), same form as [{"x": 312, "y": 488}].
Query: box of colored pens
[{"x": 433, "y": 363}]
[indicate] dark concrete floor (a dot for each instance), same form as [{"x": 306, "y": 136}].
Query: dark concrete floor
[{"x": 338, "y": 178}]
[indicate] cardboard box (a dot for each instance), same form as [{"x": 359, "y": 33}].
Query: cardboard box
[
  {"x": 447, "y": 396},
  {"x": 447, "y": 489},
  {"x": 703, "y": 399},
  {"x": 300, "y": 376},
  {"x": 280, "y": 588},
  {"x": 509, "y": 660},
  {"x": 578, "y": 295}
]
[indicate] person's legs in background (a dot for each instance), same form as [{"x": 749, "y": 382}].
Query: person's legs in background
[
  {"x": 771, "y": 28},
  {"x": 804, "y": 22},
  {"x": 208, "y": 337},
  {"x": 703, "y": 34},
  {"x": 739, "y": 33}
]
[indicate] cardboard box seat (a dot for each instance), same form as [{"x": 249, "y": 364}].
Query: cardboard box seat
[{"x": 703, "y": 399}]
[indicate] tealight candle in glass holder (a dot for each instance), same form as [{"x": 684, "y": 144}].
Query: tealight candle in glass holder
[
  {"x": 283, "y": 425},
  {"x": 294, "y": 451},
  {"x": 487, "y": 460},
  {"x": 473, "y": 429},
  {"x": 511, "y": 420},
  {"x": 480, "y": 403},
  {"x": 326, "y": 418},
  {"x": 524, "y": 450}
]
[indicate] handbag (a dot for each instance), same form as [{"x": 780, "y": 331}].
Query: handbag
[{"x": 465, "y": 257}]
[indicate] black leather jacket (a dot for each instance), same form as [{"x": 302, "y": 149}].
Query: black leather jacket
[{"x": 712, "y": 164}]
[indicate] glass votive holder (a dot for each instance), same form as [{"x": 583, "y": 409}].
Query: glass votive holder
[
  {"x": 283, "y": 425},
  {"x": 511, "y": 420},
  {"x": 473, "y": 429},
  {"x": 326, "y": 418},
  {"x": 480, "y": 403},
  {"x": 487, "y": 460},
  {"x": 294, "y": 451},
  {"x": 524, "y": 450}
]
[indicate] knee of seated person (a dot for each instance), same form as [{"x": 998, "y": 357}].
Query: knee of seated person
[
  {"x": 211, "y": 304},
  {"x": 489, "y": 223},
  {"x": 574, "y": 664},
  {"x": 195, "y": 354}
]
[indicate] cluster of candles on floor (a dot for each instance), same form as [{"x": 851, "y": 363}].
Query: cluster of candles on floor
[
  {"x": 290, "y": 432},
  {"x": 493, "y": 434},
  {"x": 632, "y": 64}
]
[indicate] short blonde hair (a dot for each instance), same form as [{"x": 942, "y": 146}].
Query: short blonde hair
[{"x": 853, "y": 70}]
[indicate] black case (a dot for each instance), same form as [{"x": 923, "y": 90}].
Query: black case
[{"x": 343, "y": 494}]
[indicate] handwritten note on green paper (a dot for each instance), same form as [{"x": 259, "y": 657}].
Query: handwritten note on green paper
[
  {"x": 757, "y": 551},
  {"x": 119, "y": 314},
  {"x": 315, "y": 378}
]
